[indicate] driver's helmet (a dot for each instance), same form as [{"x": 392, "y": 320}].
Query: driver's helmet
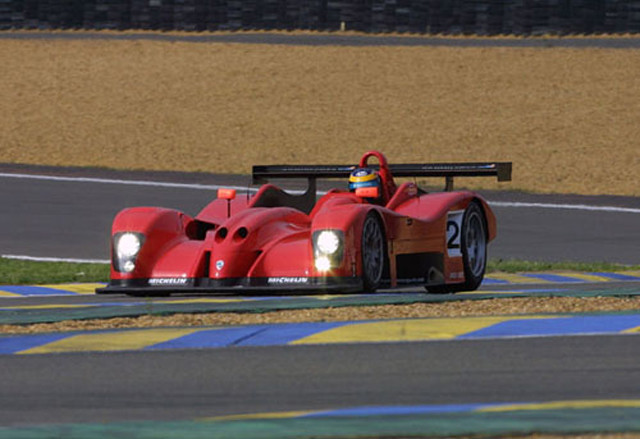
[{"x": 364, "y": 177}]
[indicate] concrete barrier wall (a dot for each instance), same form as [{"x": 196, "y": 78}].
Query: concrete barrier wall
[{"x": 482, "y": 17}]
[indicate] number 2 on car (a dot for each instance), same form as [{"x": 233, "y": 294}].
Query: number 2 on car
[{"x": 454, "y": 225}]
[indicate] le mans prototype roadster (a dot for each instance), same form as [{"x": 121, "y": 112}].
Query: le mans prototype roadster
[{"x": 374, "y": 235}]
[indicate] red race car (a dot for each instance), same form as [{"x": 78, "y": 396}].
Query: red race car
[{"x": 374, "y": 235}]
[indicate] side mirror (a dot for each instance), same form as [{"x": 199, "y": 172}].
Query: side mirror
[
  {"x": 368, "y": 192},
  {"x": 227, "y": 194}
]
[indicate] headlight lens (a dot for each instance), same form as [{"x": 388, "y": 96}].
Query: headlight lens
[
  {"x": 323, "y": 263},
  {"x": 328, "y": 249},
  {"x": 129, "y": 266},
  {"x": 128, "y": 245},
  {"x": 328, "y": 242}
]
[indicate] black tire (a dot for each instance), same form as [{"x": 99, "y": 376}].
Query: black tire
[
  {"x": 473, "y": 244},
  {"x": 373, "y": 257}
]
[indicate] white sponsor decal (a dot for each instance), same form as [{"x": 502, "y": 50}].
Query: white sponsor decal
[
  {"x": 219, "y": 264},
  {"x": 288, "y": 280},
  {"x": 168, "y": 281},
  {"x": 454, "y": 232}
]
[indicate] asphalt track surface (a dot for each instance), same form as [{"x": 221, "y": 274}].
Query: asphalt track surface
[
  {"x": 188, "y": 384},
  {"x": 534, "y": 289},
  {"x": 337, "y": 39},
  {"x": 72, "y": 219}
]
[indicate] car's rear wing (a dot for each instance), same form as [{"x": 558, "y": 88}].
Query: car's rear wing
[{"x": 501, "y": 170}]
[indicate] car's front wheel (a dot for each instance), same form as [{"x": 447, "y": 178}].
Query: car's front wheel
[{"x": 372, "y": 253}]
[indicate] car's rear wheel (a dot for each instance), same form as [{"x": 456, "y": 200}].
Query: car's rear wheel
[
  {"x": 474, "y": 246},
  {"x": 473, "y": 243},
  {"x": 372, "y": 253}
]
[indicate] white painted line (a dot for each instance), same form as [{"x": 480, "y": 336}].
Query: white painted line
[
  {"x": 121, "y": 182},
  {"x": 205, "y": 187},
  {"x": 213, "y": 187},
  {"x": 46, "y": 259},
  {"x": 565, "y": 206}
]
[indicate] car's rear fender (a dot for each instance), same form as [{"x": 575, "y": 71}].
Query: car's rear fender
[
  {"x": 492, "y": 223},
  {"x": 435, "y": 206}
]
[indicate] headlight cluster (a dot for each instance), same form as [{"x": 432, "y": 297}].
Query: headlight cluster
[
  {"x": 328, "y": 249},
  {"x": 126, "y": 246}
]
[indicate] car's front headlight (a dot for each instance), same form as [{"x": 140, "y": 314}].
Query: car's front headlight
[
  {"x": 126, "y": 246},
  {"x": 323, "y": 263},
  {"x": 327, "y": 249},
  {"x": 328, "y": 242}
]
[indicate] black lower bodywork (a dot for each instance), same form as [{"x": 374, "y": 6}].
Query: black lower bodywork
[{"x": 238, "y": 286}]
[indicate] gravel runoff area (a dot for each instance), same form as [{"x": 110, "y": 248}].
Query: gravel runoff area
[
  {"x": 511, "y": 306},
  {"x": 566, "y": 117}
]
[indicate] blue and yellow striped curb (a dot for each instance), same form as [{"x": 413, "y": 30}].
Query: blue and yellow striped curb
[
  {"x": 477, "y": 420},
  {"x": 401, "y": 330},
  {"x": 559, "y": 277},
  {"x": 75, "y": 289},
  {"x": 154, "y": 300},
  {"x": 400, "y": 410}
]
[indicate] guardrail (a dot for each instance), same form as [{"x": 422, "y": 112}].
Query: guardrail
[{"x": 481, "y": 17}]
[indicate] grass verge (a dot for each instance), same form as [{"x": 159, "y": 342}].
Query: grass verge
[
  {"x": 19, "y": 272},
  {"x": 516, "y": 266}
]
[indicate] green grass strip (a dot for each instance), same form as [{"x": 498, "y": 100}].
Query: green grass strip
[
  {"x": 21, "y": 272},
  {"x": 449, "y": 425},
  {"x": 519, "y": 266}
]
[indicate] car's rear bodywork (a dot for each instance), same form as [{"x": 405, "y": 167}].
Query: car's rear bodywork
[{"x": 273, "y": 240}]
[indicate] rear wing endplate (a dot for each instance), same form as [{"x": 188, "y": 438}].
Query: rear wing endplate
[{"x": 501, "y": 170}]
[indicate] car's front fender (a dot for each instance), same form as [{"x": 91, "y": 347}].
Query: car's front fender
[{"x": 161, "y": 228}]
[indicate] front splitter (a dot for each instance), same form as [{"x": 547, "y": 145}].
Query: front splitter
[{"x": 232, "y": 286}]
